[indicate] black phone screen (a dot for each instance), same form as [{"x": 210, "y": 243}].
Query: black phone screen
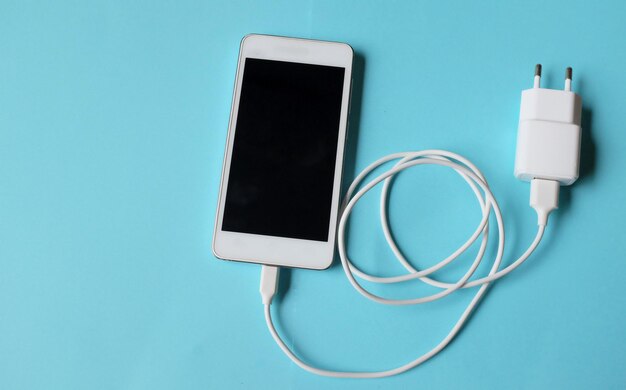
[{"x": 283, "y": 160}]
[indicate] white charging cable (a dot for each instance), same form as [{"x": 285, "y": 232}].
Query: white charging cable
[{"x": 545, "y": 166}]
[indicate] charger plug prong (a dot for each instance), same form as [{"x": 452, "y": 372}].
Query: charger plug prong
[
  {"x": 537, "y": 83},
  {"x": 568, "y": 79}
]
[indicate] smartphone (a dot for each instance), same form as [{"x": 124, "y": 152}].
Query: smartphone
[{"x": 279, "y": 193}]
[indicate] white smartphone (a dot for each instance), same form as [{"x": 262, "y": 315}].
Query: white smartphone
[{"x": 279, "y": 193}]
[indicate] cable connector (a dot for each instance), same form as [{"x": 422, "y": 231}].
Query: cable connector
[
  {"x": 269, "y": 283},
  {"x": 544, "y": 197}
]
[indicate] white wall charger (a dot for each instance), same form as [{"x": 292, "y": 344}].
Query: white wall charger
[{"x": 548, "y": 138}]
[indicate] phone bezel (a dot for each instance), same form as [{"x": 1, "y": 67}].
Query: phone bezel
[{"x": 281, "y": 251}]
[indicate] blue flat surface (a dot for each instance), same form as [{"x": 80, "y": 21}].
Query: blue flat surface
[{"x": 113, "y": 121}]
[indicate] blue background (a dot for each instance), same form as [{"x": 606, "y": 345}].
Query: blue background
[{"x": 112, "y": 129}]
